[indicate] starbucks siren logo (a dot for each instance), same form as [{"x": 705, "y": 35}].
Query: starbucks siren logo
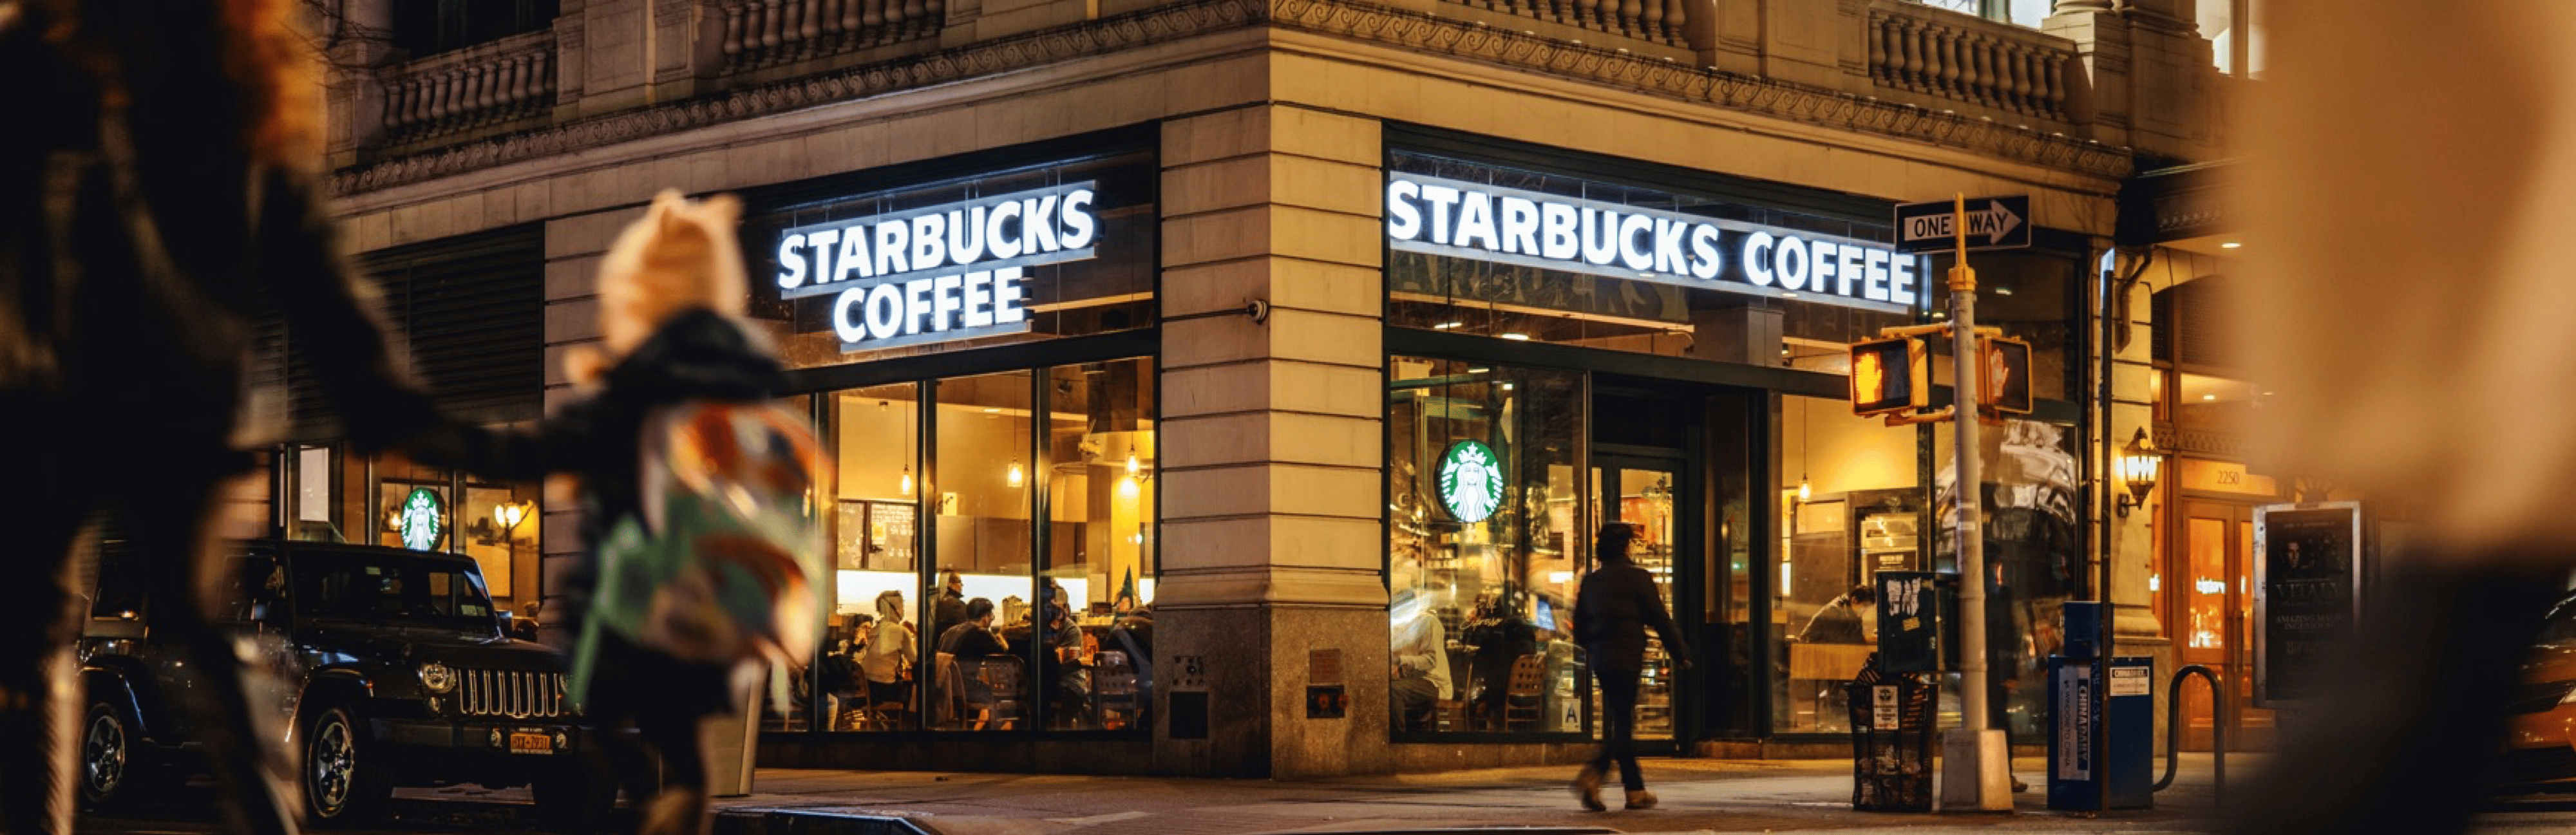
[
  {"x": 418, "y": 524},
  {"x": 1471, "y": 481}
]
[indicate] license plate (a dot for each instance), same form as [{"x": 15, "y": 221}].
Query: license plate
[{"x": 527, "y": 743}]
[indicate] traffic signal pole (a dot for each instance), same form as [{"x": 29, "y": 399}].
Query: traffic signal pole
[{"x": 1976, "y": 768}]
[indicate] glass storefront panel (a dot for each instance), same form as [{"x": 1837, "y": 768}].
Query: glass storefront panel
[
  {"x": 1484, "y": 547},
  {"x": 980, "y": 520},
  {"x": 2031, "y": 296},
  {"x": 873, "y": 640},
  {"x": 426, "y": 508},
  {"x": 2033, "y": 555},
  {"x": 1850, "y": 507},
  {"x": 1095, "y": 656}
]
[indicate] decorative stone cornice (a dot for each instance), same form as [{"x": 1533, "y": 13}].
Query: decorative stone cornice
[{"x": 1352, "y": 19}]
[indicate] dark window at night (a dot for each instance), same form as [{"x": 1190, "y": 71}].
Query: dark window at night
[{"x": 428, "y": 27}]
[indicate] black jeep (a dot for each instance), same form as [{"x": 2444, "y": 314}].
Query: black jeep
[{"x": 390, "y": 668}]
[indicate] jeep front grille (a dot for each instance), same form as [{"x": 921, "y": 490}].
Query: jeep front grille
[{"x": 517, "y": 694}]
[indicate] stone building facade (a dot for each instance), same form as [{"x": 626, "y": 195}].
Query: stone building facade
[{"x": 1298, "y": 362}]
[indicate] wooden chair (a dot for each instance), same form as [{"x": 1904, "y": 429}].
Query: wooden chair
[
  {"x": 1526, "y": 697},
  {"x": 1114, "y": 693}
]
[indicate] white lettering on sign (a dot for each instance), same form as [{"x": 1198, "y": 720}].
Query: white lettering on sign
[
  {"x": 954, "y": 271},
  {"x": 1460, "y": 219}
]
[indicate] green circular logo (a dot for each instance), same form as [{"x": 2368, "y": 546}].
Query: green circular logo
[
  {"x": 418, "y": 524},
  {"x": 1471, "y": 481}
]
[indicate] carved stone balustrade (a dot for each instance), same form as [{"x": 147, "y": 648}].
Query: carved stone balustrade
[
  {"x": 1946, "y": 60},
  {"x": 766, "y": 33},
  {"x": 501, "y": 83},
  {"x": 1656, "y": 21}
]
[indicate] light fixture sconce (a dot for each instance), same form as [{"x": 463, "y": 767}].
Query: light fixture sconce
[{"x": 2138, "y": 466}]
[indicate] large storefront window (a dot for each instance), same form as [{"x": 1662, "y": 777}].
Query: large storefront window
[
  {"x": 2034, "y": 558},
  {"x": 1850, "y": 506},
  {"x": 1484, "y": 547},
  {"x": 427, "y": 508},
  {"x": 942, "y": 618}
]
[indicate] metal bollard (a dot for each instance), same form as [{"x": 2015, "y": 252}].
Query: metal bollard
[{"x": 2217, "y": 729}]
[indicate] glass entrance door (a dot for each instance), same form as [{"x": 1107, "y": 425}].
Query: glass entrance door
[
  {"x": 1649, "y": 494},
  {"x": 2217, "y": 608}
]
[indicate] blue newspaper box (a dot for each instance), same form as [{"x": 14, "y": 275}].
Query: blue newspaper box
[{"x": 2126, "y": 756}]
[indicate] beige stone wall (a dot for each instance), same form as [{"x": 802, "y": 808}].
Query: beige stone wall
[{"x": 1272, "y": 440}]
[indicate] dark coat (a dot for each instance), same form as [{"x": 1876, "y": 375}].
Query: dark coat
[
  {"x": 1618, "y": 603},
  {"x": 967, "y": 640},
  {"x": 946, "y": 610},
  {"x": 1837, "y": 623}
]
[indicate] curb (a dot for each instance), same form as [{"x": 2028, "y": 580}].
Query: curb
[{"x": 811, "y": 822}]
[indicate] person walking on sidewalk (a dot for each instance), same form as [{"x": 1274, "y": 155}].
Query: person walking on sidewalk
[{"x": 1618, "y": 602}]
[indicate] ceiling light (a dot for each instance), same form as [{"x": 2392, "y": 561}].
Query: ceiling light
[
  {"x": 995, "y": 411},
  {"x": 2209, "y": 397},
  {"x": 1448, "y": 326},
  {"x": 1517, "y": 337},
  {"x": 2003, "y": 291},
  {"x": 2231, "y": 245},
  {"x": 1478, "y": 370}
]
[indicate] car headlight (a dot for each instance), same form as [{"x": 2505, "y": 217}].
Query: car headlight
[{"x": 437, "y": 677}]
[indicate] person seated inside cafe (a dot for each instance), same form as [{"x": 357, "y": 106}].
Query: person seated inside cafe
[
  {"x": 1839, "y": 622},
  {"x": 971, "y": 643},
  {"x": 1064, "y": 669},
  {"x": 1500, "y": 636}
]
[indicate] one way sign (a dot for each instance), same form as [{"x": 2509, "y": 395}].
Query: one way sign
[{"x": 1993, "y": 223}]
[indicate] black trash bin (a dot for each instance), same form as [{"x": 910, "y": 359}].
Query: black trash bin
[{"x": 1892, "y": 720}]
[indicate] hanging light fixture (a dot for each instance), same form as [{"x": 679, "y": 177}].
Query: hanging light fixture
[
  {"x": 1017, "y": 475},
  {"x": 1806, "y": 490},
  {"x": 2138, "y": 464},
  {"x": 908, "y": 453},
  {"x": 1133, "y": 466}
]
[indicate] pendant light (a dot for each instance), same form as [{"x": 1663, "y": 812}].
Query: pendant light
[
  {"x": 1806, "y": 490},
  {"x": 908, "y": 453}
]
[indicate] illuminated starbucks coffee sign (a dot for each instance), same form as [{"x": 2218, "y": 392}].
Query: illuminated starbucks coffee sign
[
  {"x": 1471, "y": 482},
  {"x": 936, "y": 273},
  {"x": 1460, "y": 219},
  {"x": 418, "y": 520}
]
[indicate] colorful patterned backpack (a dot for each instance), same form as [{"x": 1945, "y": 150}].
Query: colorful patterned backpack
[{"x": 726, "y": 564}]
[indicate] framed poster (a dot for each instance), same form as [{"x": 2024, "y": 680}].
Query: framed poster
[{"x": 2307, "y": 595}]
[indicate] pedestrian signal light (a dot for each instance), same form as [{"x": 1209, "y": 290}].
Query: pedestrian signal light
[
  {"x": 2006, "y": 387},
  {"x": 1888, "y": 375}
]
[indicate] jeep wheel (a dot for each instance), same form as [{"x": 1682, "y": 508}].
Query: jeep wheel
[
  {"x": 340, "y": 782},
  {"x": 112, "y": 772}
]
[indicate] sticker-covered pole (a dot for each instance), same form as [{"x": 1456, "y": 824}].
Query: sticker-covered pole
[{"x": 1977, "y": 775}]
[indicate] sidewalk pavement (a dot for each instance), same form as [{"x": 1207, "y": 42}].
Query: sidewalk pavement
[{"x": 1698, "y": 795}]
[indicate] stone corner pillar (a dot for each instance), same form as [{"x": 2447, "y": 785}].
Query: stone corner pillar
[{"x": 1272, "y": 441}]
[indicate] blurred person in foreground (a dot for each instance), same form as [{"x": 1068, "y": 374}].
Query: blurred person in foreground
[
  {"x": 2410, "y": 184},
  {"x": 156, "y": 186},
  {"x": 1612, "y": 612},
  {"x": 697, "y": 560}
]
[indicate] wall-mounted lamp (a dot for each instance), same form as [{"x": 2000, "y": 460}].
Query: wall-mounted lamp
[{"x": 2138, "y": 464}]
